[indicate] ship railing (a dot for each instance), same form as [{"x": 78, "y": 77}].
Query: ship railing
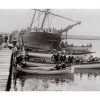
[{"x": 53, "y": 30}]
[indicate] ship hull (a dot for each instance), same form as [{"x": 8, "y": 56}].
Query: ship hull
[{"x": 42, "y": 40}]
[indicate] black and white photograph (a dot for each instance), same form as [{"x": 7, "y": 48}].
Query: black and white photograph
[{"x": 49, "y": 49}]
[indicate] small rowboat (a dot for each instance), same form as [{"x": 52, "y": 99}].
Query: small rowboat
[
  {"x": 91, "y": 65},
  {"x": 94, "y": 65},
  {"x": 44, "y": 70},
  {"x": 34, "y": 64}
]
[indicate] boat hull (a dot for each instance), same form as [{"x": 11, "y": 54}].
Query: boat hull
[
  {"x": 86, "y": 65},
  {"x": 44, "y": 70},
  {"x": 39, "y": 57},
  {"x": 91, "y": 66}
]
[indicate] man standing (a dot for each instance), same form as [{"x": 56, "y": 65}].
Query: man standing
[
  {"x": 6, "y": 38},
  {"x": 1, "y": 41}
]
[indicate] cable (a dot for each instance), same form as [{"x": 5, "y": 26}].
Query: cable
[{"x": 23, "y": 20}]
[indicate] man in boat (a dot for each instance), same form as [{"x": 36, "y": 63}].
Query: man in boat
[
  {"x": 70, "y": 59},
  {"x": 20, "y": 60},
  {"x": 63, "y": 59},
  {"x": 55, "y": 57},
  {"x": 58, "y": 66},
  {"x": 77, "y": 60}
]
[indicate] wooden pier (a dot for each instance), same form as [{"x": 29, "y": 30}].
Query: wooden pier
[{"x": 5, "y": 56}]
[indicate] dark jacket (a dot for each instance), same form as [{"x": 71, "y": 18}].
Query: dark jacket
[
  {"x": 63, "y": 58},
  {"x": 56, "y": 57}
]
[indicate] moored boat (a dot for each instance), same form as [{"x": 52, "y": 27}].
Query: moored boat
[
  {"x": 43, "y": 36},
  {"x": 40, "y": 57},
  {"x": 44, "y": 70},
  {"x": 46, "y": 40},
  {"x": 92, "y": 65}
]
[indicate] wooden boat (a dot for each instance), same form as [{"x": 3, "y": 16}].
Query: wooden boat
[
  {"x": 48, "y": 56},
  {"x": 91, "y": 65},
  {"x": 42, "y": 37},
  {"x": 44, "y": 70}
]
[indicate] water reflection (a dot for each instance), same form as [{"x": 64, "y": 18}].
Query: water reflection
[
  {"x": 82, "y": 79},
  {"x": 90, "y": 72},
  {"x": 40, "y": 82}
]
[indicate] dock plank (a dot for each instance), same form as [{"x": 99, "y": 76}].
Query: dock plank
[{"x": 5, "y": 55}]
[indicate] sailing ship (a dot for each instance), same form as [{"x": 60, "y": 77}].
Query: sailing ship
[
  {"x": 39, "y": 44},
  {"x": 42, "y": 38}
]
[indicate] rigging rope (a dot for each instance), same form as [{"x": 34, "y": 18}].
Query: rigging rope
[
  {"x": 37, "y": 18},
  {"x": 23, "y": 20},
  {"x": 55, "y": 15},
  {"x": 50, "y": 19}
]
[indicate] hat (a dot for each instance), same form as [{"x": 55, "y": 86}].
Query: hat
[{"x": 14, "y": 40}]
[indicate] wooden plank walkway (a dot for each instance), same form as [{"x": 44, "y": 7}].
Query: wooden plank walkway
[{"x": 5, "y": 56}]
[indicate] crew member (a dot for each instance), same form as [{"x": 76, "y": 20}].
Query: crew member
[
  {"x": 56, "y": 57},
  {"x": 63, "y": 59},
  {"x": 58, "y": 65},
  {"x": 20, "y": 59}
]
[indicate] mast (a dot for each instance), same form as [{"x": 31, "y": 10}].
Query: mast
[
  {"x": 32, "y": 21},
  {"x": 46, "y": 12}
]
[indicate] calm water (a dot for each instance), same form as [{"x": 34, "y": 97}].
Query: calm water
[{"x": 82, "y": 79}]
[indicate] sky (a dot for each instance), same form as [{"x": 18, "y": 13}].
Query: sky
[{"x": 13, "y": 19}]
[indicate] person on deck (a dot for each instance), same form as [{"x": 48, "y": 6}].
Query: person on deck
[
  {"x": 14, "y": 49},
  {"x": 10, "y": 38},
  {"x": 1, "y": 41},
  {"x": 14, "y": 52},
  {"x": 6, "y": 39}
]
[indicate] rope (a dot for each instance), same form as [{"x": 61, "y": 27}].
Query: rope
[
  {"x": 37, "y": 18},
  {"x": 23, "y": 20}
]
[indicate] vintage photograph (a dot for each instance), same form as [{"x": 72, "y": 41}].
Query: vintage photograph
[{"x": 49, "y": 49}]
